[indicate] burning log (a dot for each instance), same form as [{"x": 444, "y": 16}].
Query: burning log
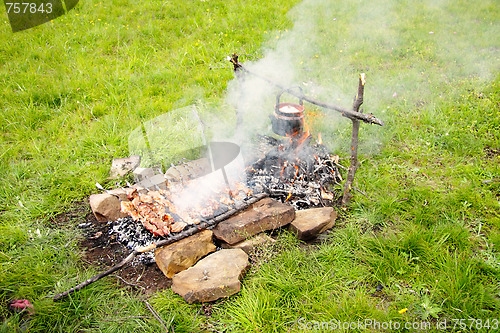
[{"x": 208, "y": 224}]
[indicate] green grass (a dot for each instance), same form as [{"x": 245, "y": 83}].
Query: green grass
[{"x": 73, "y": 90}]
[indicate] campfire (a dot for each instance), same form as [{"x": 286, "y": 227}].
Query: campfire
[
  {"x": 291, "y": 167},
  {"x": 304, "y": 178}
]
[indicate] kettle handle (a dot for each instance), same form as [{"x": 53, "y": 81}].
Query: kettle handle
[{"x": 301, "y": 101}]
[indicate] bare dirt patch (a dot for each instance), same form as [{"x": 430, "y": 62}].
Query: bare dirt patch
[{"x": 101, "y": 250}]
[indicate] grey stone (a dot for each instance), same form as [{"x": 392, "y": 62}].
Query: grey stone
[
  {"x": 310, "y": 223},
  {"x": 120, "y": 167},
  {"x": 181, "y": 255},
  {"x": 153, "y": 183},
  {"x": 143, "y": 173},
  {"x": 215, "y": 276},
  {"x": 188, "y": 170}
]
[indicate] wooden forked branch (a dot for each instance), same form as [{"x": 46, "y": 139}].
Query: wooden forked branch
[{"x": 346, "y": 198}]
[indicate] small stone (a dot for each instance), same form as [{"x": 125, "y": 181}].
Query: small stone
[
  {"x": 143, "y": 173},
  {"x": 250, "y": 244},
  {"x": 106, "y": 207},
  {"x": 310, "y": 223},
  {"x": 181, "y": 255},
  {"x": 120, "y": 167},
  {"x": 122, "y": 195},
  {"x": 153, "y": 183},
  {"x": 188, "y": 170},
  {"x": 265, "y": 214},
  {"x": 215, "y": 276}
]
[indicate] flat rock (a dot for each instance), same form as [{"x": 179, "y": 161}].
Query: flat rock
[
  {"x": 122, "y": 195},
  {"x": 188, "y": 170},
  {"x": 120, "y": 167},
  {"x": 215, "y": 276},
  {"x": 153, "y": 183},
  {"x": 143, "y": 173},
  {"x": 181, "y": 255},
  {"x": 248, "y": 245},
  {"x": 106, "y": 207},
  {"x": 309, "y": 223},
  {"x": 265, "y": 214}
]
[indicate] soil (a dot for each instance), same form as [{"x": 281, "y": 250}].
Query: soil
[{"x": 102, "y": 251}]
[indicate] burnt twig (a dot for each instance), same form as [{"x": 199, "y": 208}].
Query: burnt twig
[
  {"x": 363, "y": 193},
  {"x": 126, "y": 318},
  {"x": 156, "y": 315},
  {"x": 128, "y": 283},
  {"x": 494, "y": 180}
]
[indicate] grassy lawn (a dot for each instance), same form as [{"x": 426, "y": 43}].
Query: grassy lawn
[{"x": 426, "y": 238}]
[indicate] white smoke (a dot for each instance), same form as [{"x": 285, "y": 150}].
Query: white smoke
[
  {"x": 331, "y": 42},
  {"x": 411, "y": 53}
]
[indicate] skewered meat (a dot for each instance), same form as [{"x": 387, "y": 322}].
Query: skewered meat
[
  {"x": 156, "y": 209},
  {"x": 178, "y": 226},
  {"x": 226, "y": 201},
  {"x": 152, "y": 214}
]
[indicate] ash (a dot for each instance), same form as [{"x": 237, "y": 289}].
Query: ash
[
  {"x": 302, "y": 174},
  {"x": 133, "y": 234}
]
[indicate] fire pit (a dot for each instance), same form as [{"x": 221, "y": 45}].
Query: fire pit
[
  {"x": 301, "y": 175},
  {"x": 294, "y": 169}
]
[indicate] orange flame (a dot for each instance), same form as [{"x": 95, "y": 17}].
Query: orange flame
[
  {"x": 291, "y": 186},
  {"x": 300, "y": 136},
  {"x": 320, "y": 139},
  {"x": 305, "y": 135}
]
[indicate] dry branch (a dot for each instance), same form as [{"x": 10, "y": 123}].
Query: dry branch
[
  {"x": 346, "y": 198},
  {"x": 188, "y": 232},
  {"x": 156, "y": 315}
]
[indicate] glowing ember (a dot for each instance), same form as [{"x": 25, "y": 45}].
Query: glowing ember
[{"x": 326, "y": 194}]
